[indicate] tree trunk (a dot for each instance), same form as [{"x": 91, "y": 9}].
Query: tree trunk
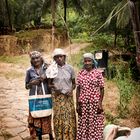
[
  {"x": 9, "y": 16},
  {"x": 115, "y": 37},
  {"x": 53, "y": 5},
  {"x": 65, "y": 10},
  {"x": 136, "y": 28}
]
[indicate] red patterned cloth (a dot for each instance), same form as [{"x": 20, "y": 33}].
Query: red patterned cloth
[
  {"x": 43, "y": 123},
  {"x": 90, "y": 124}
]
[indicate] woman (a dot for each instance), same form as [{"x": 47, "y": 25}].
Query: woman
[
  {"x": 64, "y": 119},
  {"x": 90, "y": 91},
  {"x": 34, "y": 76}
]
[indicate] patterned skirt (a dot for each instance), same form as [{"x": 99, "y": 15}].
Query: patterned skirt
[
  {"x": 90, "y": 124},
  {"x": 64, "y": 119},
  {"x": 35, "y": 123}
]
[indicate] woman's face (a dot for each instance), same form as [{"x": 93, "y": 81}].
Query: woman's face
[
  {"x": 88, "y": 63},
  {"x": 60, "y": 59},
  {"x": 36, "y": 61}
]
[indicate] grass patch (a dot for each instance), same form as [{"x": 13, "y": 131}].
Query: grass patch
[
  {"x": 30, "y": 34},
  {"x": 110, "y": 119},
  {"x": 11, "y": 74},
  {"x": 75, "y": 60},
  {"x": 22, "y": 59}
]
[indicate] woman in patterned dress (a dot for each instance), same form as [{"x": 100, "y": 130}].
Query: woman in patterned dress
[
  {"x": 64, "y": 117},
  {"x": 90, "y": 91},
  {"x": 34, "y": 76}
]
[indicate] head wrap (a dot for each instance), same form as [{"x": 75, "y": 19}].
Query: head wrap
[
  {"x": 91, "y": 56},
  {"x": 58, "y": 51},
  {"x": 88, "y": 55},
  {"x": 35, "y": 54}
]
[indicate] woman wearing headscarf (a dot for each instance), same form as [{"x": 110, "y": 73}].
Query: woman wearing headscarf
[
  {"x": 64, "y": 119},
  {"x": 35, "y": 75},
  {"x": 89, "y": 92}
]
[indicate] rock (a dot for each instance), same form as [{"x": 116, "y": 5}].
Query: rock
[
  {"x": 19, "y": 129},
  {"x": 9, "y": 132},
  {"x": 4, "y": 106},
  {"x": 1, "y": 133},
  {"x": 12, "y": 132},
  {"x": 25, "y": 134},
  {"x": 1, "y": 138},
  {"x": 12, "y": 122},
  {"x": 16, "y": 138}
]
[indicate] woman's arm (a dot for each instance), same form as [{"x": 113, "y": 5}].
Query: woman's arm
[
  {"x": 102, "y": 93},
  {"x": 100, "y": 110},
  {"x": 73, "y": 87},
  {"x": 27, "y": 80},
  {"x": 78, "y": 105},
  {"x": 73, "y": 84},
  {"x": 101, "y": 88}
]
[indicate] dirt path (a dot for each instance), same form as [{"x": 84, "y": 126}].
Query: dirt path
[{"x": 13, "y": 98}]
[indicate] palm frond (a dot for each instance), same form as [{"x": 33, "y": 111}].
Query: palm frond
[
  {"x": 121, "y": 12},
  {"x": 109, "y": 18}
]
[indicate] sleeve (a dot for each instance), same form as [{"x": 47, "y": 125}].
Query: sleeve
[
  {"x": 100, "y": 80},
  {"x": 27, "y": 77}
]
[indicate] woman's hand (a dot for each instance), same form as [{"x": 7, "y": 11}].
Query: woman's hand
[
  {"x": 79, "y": 109},
  {"x": 100, "y": 108},
  {"x": 42, "y": 78},
  {"x": 34, "y": 82},
  {"x": 51, "y": 86},
  {"x": 70, "y": 93}
]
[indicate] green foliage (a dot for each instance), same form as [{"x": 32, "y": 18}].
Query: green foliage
[
  {"x": 30, "y": 34},
  {"x": 126, "y": 92},
  {"x": 79, "y": 29},
  {"x": 76, "y": 60},
  {"x": 135, "y": 105},
  {"x": 110, "y": 119},
  {"x": 126, "y": 87},
  {"x": 121, "y": 10},
  {"x": 103, "y": 40}
]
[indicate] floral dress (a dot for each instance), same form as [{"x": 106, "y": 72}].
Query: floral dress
[
  {"x": 90, "y": 123},
  {"x": 64, "y": 117}
]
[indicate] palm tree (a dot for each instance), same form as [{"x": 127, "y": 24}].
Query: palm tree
[
  {"x": 129, "y": 10},
  {"x": 136, "y": 28},
  {"x": 8, "y": 12},
  {"x": 53, "y": 7},
  {"x": 65, "y": 9}
]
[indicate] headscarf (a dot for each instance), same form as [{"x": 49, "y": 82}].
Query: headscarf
[
  {"x": 90, "y": 55},
  {"x": 58, "y": 51},
  {"x": 34, "y": 54}
]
